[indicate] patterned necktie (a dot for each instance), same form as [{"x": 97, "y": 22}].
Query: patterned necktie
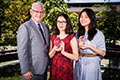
[{"x": 42, "y": 33}]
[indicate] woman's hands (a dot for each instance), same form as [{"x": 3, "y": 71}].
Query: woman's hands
[
  {"x": 72, "y": 56},
  {"x": 82, "y": 44},
  {"x": 57, "y": 47},
  {"x": 60, "y": 48},
  {"x": 81, "y": 41}
]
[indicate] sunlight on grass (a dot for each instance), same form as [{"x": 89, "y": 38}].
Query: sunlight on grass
[{"x": 18, "y": 77}]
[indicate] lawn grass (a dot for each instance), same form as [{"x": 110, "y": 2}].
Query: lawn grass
[
  {"x": 12, "y": 72},
  {"x": 15, "y": 77},
  {"x": 18, "y": 77}
]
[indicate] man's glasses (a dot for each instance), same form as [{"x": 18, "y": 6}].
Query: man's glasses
[
  {"x": 37, "y": 11},
  {"x": 61, "y": 22}
]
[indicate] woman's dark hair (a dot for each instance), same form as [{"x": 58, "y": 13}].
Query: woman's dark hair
[
  {"x": 69, "y": 29},
  {"x": 92, "y": 27}
]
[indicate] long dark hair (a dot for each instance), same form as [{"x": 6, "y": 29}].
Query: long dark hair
[
  {"x": 69, "y": 29},
  {"x": 92, "y": 26}
]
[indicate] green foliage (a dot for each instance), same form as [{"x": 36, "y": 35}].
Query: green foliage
[
  {"x": 8, "y": 71},
  {"x": 74, "y": 19},
  {"x": 3, "y": 5},
  {"x": 15, "y": 13},
  {"x": 109, "y": 23},
  {"x": 52, "y": 8}
]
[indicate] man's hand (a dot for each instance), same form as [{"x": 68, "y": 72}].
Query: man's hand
[{"x": 28, "y": 75}]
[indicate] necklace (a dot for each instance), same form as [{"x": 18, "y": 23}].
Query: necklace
[{"x": 62, "y": 36}]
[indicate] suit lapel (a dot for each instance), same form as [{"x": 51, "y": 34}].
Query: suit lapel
[{"x": 36, "y": 29}]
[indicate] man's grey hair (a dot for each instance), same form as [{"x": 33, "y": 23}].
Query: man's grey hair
[{"x": 37, "y": 3}]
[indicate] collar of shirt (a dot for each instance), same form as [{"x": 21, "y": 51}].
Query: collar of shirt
[{"x": 38, "y": 23}]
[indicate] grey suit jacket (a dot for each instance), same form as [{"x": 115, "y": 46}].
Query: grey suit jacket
[{"x": 32, "y": 52}]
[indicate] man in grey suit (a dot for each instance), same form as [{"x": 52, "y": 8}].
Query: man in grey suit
[{"x": 33, "y": 45}]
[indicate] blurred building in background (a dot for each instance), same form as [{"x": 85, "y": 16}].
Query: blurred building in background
[{"x": 78, "y": 5}]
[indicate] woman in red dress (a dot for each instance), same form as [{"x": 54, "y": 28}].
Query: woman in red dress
[{"x": 63, "y": 49}]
